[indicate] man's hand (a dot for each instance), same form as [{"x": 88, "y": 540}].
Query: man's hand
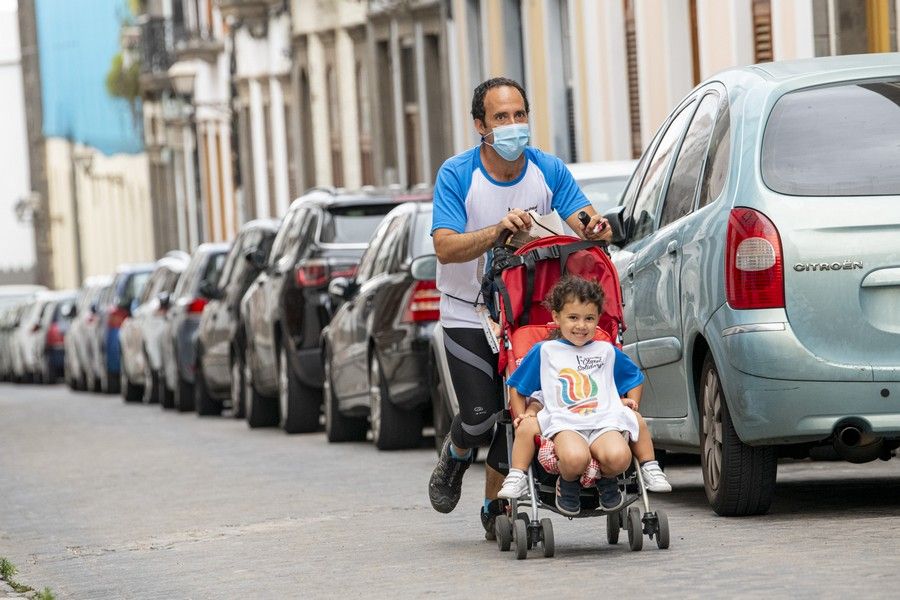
[
  {"x": 515, "y": 220},
  {"x": 597, "y": 229}
]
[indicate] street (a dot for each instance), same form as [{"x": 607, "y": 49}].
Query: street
[{"x": 99, "y": 499}]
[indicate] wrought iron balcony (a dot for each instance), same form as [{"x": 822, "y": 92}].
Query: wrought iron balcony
[
  {"x": 156, "y": 44},
  {"x": 196, "y": 43}
]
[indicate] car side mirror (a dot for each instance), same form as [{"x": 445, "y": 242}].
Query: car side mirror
[
  {"x": 616, "y": 218},
  {"x": 424, "y": 268},
  {"x": 340, "y": 289},
  {"x": 256, "y": 257},
  {"x": 165, "y": 300}
]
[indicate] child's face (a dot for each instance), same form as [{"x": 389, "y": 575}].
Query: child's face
[{"x": 577, "y": 321}]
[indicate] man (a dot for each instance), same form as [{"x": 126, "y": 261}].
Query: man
[{"x": 479, "y": 194}]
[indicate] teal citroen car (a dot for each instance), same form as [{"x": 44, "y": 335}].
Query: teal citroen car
[{"x": 758, "y": 247}]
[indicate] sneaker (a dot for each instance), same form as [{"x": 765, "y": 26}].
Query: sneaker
[
  {"x": 445, "y": 484},
  {"x": 489, "y": 517},
  {"x": 568, "y": 497},
  {"x": 515, "y": 485},
  {"x": 654, "y": 478},
  {"x": 611, "y": 497}
]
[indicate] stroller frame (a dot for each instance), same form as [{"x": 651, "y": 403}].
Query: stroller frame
[{"x": 526, "y": 530}]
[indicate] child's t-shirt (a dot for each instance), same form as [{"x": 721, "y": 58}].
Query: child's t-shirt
[{"x": 579, "y": 386}]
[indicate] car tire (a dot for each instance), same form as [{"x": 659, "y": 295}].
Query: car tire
[
  {"x": 238, "y": 397},
  {"x": 262, "y": 411},
  {"x": 130, "y": 392},
  {"x": 184, "y": 395},
  {"x": 739, "y": 480},
  {"x": 393, "y": 428},
  {"x": 440, "y": 410},
  {"x": 206, "y": 404},
  {"x": 299, "y": 405},
  {"x": 109, "y": 383},
  {"x": 151, "y": 383},
  {"x": 338, "y": 427}
]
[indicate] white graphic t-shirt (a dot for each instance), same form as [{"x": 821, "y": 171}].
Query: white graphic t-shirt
[
  {"x": 467, "y": 199},
  {"x": 580, "y": 386}
]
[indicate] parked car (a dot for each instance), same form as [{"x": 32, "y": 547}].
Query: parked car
[
  {"x": 9, "y": 339},
  {"x": 322, "y": 237},
  {"x": 219, "y": 376},
  {"x": 49, "y": 342},
  {"x": 78, "y": 346},
  {"x": 142, "y": 333},
  {"x": 182, "y": 321},
  {"x": 12, "y": 300},
  {"x": 24, "y": 341},
  {"x": 761, "y": 273},
  {"x": 379, "y": 339},
  {"x": 114, "y": 306}
]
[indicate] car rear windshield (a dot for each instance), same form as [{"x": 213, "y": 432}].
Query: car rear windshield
[
  {"x": 841, "y": 140},
  {"x": 422, "y": 242},
  {"x": 352, "y": 224}
]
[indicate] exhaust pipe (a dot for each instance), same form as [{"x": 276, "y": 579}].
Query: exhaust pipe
[{"x": 857, "y": 445}]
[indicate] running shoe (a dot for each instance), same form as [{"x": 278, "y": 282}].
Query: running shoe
[
  {"x": 568, "y": 497},
  {"x": 654, "y": 478},
  {"x": 445, "y": 485},
  {"x": 611, "y": 497},
  {"x": 515, "y": 485}
]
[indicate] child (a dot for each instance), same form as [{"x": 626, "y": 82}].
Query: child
[{"x": 574, "y": 384}]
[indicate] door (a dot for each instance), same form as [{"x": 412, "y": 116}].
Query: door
[{"x": 647, "y": 264}]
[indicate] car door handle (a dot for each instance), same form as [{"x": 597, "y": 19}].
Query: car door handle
[
  {"x": 629, "y": 271},
  {"x": 672, "y": 247}
]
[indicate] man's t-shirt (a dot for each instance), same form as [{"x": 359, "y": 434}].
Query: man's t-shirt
[
  {"x": 467, "y": 199},
  {"x": 580, "y": 386}
]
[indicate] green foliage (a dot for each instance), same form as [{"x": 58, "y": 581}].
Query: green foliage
[
  {"x": 7, "y": 569},
  {"x": 122, "y": 81},
  {"x": 45, "y": 595}
]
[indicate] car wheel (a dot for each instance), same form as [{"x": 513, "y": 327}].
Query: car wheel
[
  {"x": 238, "y": 402},
  {"x": 151, "y": 383},
  {"x": 109, "y": 383},
  {"x": 440, "y": 411},
  {"x": 392, "y": 427},
  {"x": 206, "y": 404},
  {"x": 262, "y": 411},
  {"x": 184, "y": 395},
  {"x": 300, "y": 405},
  {"x": 130, "y": 391},
  {"x": 338, "y": 427},
  {"x": 739, "y": 479}
]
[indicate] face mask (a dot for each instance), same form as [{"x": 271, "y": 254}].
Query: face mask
[{"x": 510, "y": 140}]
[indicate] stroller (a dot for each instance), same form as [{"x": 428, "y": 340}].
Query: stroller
[{"x": 518, "y": 281}]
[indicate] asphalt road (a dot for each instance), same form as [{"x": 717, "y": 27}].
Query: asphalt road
[{"x": 104, "y": 500}]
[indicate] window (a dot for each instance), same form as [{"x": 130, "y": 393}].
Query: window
[
  {"x": 683, "y": 184},
  {"x": 287, "y": 226},
  {"x": 367, "y": 262},
  {"x": 352, "y": 224},
  {"x": 643, "y": 217},
  {"x": 854, "y": 27},
  {"x": 214, "y": 268},
  {"x": 238, "y": 248},
  {"x": 422, "y": 243},
  {"x": 292, "y": 238},
  {"x": 839, "y": 140},
  {"x": 715, "y": 171},
  {"x": 385, "y": 261}
]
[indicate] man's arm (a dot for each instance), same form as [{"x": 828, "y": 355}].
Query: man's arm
[{"x": 453, "y": 247}]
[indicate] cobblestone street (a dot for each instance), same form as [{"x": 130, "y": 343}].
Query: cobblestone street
[{"x": 104, "y": 500}]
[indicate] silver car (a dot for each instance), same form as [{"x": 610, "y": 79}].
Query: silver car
[
  {"x": 78, "y": 341},
  {"x": 759, "y": 255}
]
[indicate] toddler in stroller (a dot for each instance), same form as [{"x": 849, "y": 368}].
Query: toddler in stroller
[{"x": 574, "y": 383}]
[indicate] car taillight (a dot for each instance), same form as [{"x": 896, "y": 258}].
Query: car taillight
[
  {"x": 196, "y": 305},
  {"x": 317, "y": 272},
  {"x": 55, "y": 337},
  {"x": 754, "y": 266},
  {"x": 423, "y": 304},
  {"x": 117, "y": 314}
]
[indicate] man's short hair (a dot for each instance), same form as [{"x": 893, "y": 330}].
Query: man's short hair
[{"x": 482, "y": 90}]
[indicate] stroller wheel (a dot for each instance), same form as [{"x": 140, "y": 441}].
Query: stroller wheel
[
  {"x": 635, "y": 529},
  {"x": 662, "y": 530},
  {"x": 503, "y": 531},
  {"x": 520, "y": 534},
  {"x": 524, "y": 518},
  {"x": 547, "y": 538},
  {"x": 613, "y": 526}
]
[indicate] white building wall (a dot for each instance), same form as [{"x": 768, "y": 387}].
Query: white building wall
[
  {"x": 792, "y": 29},
  {"x": 725, "y": 35},
  {"x": 16, "y": 239}
]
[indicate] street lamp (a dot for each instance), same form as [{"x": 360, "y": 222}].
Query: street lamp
[{"x": 182, "y": 75}]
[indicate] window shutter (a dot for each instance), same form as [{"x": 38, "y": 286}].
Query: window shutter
[
  {"x": 762, "y": 31},
  {"x": 634, "y": 97}
]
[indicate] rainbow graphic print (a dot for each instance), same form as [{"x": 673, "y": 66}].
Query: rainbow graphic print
[{"x": 577, "y": 392}]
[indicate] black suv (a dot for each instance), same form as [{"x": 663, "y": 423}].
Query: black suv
[{"x": 323, "y": 236}]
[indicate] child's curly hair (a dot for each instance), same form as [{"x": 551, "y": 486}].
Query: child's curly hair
[{"x": 571, "y": 288}]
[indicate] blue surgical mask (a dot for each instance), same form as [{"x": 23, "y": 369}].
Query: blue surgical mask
[{"x": 510, "y": 140}]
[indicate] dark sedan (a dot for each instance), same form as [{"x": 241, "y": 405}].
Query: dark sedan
[
  {"x": 376, "y": 349},
  {"x": 220, "y": 340}
]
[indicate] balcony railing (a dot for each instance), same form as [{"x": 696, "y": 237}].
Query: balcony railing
[{"x": 156, "y": 45}]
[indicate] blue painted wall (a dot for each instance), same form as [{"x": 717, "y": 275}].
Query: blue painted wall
[{"x": 76, "y": 41}]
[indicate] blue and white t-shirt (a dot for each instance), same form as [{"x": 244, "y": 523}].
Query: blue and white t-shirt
[
  {"x": 579, "y": 386},
  {"x": 467, "y": 199}
]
